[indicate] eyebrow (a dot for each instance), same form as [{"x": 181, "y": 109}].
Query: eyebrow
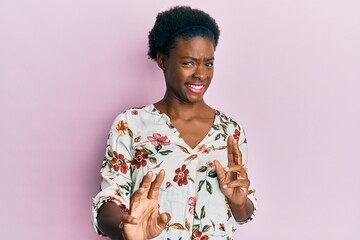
[{"x": 196, "y": 59}]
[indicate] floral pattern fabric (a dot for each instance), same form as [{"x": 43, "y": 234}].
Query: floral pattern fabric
[{"x": 143, "y": 140}]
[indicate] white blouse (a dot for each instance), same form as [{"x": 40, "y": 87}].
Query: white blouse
[{"x": 144, "y": 139}]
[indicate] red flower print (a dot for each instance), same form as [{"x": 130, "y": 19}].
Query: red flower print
[
  {"x": 192, "y": 203},
  {"x": 157, "y": 139},
  {"x": 140, "y": 159},
  {"x": 181, "y": 175},
  {"x": 118, "y": 162},
  {"x": 236, "y": 135},
  {"x": 198, "y": 236}
]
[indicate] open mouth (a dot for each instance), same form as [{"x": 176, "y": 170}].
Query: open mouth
[{"x": 196, "y": 86}]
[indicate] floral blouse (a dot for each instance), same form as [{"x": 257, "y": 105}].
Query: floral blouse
[{"x": 144, "y": 139}]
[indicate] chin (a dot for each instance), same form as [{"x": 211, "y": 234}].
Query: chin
[{"x": 195, "y": 100}]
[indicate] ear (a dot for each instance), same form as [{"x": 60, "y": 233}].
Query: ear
[{"x": 160, "y": 59}]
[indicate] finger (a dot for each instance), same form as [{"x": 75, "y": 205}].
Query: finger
[
  {"x": 136, "y": 198},
  {"x": 146, "y": 181},
  {"x": 220, "y": 171},
  {"x": 240, "y": 170},
  {"x": 163, "y": 219},
  {"x": 238, "y": 183},
  {"x": 230, "y": 151},
  {"x": 237, "y": 153},
  {"x": 155, "y": 185}
]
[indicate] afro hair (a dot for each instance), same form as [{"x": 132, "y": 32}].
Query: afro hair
[{"x": 180, "y": 21}]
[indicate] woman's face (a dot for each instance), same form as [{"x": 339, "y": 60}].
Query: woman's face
[{"x": 189, "y": 69}]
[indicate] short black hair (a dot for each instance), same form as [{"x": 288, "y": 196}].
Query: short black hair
[{"x": 180, "y": 21}]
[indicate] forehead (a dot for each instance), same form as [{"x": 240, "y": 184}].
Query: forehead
[{"x": 195, "y": 47}]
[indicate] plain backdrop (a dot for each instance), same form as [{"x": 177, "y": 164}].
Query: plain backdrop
[{"x": 289, "y": 71}]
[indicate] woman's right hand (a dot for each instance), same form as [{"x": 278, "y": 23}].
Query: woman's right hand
[{"x": 144, "y": 220}]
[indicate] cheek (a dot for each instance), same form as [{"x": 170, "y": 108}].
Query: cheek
[
  {"x": 180, "y": 75},
  {"x": 211, "y": 74}
]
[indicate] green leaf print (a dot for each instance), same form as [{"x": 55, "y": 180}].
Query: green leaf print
[
  {"x": 203, "y": 213},
  {"x": 218, "y": 136},
  {"x": 158, "y": 147},
  {"x": 132, "y": 169},
  {"x": 126, "y": 187},
  {"x": 201, "y": 183},
  {"x": 196, "y": 227},
  {"x": 146, "y": 150},
  {"x": 209, "y": 187},
  {"x": 212, "y": 173},
  {"x": 206, "y": 228},
  {"x": 216, "y": 127},
  {"x": 224, "y": 127},
  {"x": 166, "y": 152},
  {"x": 153, "y": 160},
  {"x": 196, "y": 216},
  {"x": 189, "y": 178}
]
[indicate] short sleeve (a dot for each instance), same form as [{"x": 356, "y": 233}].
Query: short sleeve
[
  {"x": 239, "y": 134},
  {"x": 116, "y": 184}
]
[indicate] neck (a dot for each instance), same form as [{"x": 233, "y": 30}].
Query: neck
[{"x": 176, "y": 108}]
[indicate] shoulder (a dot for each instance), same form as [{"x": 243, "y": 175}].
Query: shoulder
[
  {"x": 234, "y": 128},
  {"x": 134, "y": 113},
  {"x": 134, "y": 117},
  {"x": 227, "y": 119}
]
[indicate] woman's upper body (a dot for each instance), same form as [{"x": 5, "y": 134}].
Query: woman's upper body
[
  {"x": 145, "y": 139},
  {"x": 197, "y": 153}
]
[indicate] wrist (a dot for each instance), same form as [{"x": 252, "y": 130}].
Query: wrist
[{"x": 242, "y": 212}]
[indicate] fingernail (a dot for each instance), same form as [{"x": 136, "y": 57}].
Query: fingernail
[
  {"x": 224, "y": 186},
  {"x": 226, "y": 169}
]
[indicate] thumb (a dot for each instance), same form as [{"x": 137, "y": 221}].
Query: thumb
[{"x": 164, "y": 218}]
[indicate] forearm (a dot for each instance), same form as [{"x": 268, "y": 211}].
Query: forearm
[
  {"x": 109, "y": 218},
  {"x": 243, "y": 212}
]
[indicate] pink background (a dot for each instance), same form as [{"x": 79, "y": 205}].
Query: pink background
[{"x": 289, "y": 71}]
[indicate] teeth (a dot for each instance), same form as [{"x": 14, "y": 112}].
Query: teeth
[{"x": 196, "y": 86}]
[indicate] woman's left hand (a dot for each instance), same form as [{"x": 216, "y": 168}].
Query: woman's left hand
[{"x": 233, "y": 179}]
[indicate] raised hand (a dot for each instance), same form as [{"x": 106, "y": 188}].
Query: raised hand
[
  {"x": 233, "y": 179},
  {"x": 144, "y": 220}
]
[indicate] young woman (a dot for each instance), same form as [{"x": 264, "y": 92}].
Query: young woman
[{"x": 175, "y": 169}]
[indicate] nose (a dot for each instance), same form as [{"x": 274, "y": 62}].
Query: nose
[{"x": 200, "y": 73}]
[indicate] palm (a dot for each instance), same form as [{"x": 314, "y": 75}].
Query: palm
[
  {"x": 233, "y": 181},
  {"x": 148, "y": 214},
  {"x": 144, "y": 208},
  {"x": 233, "y": 194}
]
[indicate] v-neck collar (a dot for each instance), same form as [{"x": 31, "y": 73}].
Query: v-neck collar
[{"x": 177, "y": 132}]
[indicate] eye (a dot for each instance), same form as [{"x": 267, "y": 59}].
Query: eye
[
  {"x": 189, "y": 64},
  {"x": 209, "y": 64}
]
